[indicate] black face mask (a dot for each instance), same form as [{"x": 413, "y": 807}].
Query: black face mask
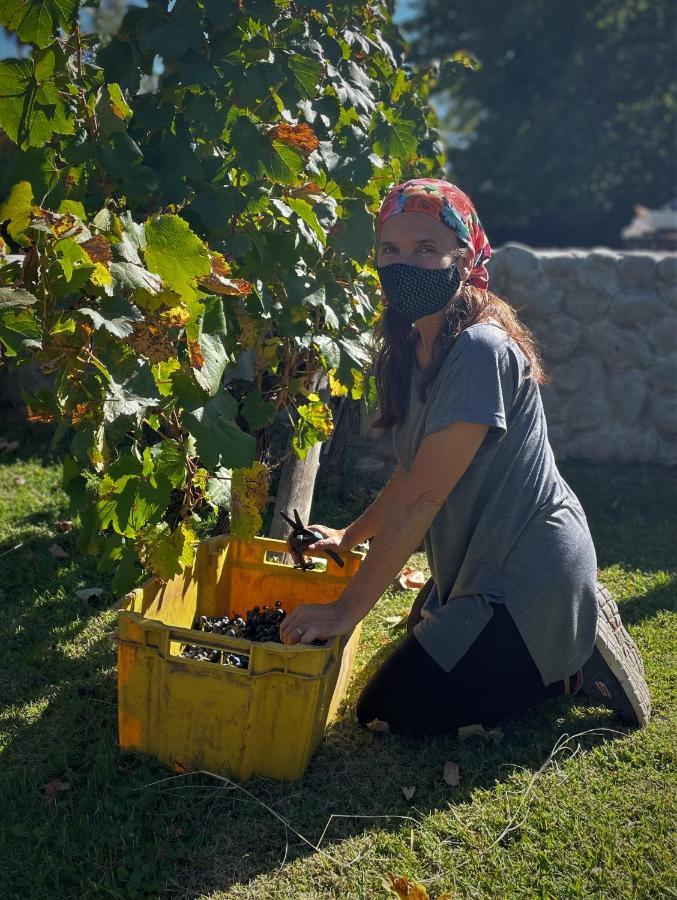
[{"x": 414, "y": 292}]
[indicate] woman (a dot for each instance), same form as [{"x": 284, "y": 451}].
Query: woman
[{"x": 513, "y": 614}]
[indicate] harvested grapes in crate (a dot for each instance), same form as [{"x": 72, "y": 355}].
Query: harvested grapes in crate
[{"x": 261, "y": 624}]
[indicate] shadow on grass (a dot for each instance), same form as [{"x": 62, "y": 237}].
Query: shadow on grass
[
  {"x": 87, "y": 820},
  {"x": 109, "y": 823},
  {"x": 34, "y": 439}
]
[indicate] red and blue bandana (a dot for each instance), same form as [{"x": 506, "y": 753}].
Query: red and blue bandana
[{"x": 449, "y": 205}]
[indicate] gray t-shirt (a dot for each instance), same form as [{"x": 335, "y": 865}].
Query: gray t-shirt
[{"x": 511, "y": 530}]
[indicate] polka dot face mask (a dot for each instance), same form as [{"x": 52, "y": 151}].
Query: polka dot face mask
[{"x": 414, "y": 292}]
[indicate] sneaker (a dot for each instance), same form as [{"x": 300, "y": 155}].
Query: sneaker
[{"x": 614, "y": 674}]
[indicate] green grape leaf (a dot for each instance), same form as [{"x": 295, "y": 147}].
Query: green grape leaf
[
  {"x": 38, "y": 21},
  {"x": 19, "y": 327},
  {"x": 307, "y": 73},
  {"x": 16, "y": 297},
  {"x": 399, "y": 139},
  {"x": 128, "y": 573},
  {"x": 31, "y": 107},
  {"x": 170, "y": 462},
  {"x": 218, "y": 439},
  {"x": 18, "y": 209},
  {"x": 115, "y": 315},
  {"x": 218, "y": 488},
  {"x": 132, "y": 398},
  {"x": 354, "y": 234},
  {"x": 206, "y": 345},
  {"x": 176, "y": 254},
  {"x": 304, "y": 211},
  {"x": 257, "y": 411}
]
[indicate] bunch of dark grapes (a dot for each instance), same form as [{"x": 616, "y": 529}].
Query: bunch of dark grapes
[{"x": 261, "y": 624}]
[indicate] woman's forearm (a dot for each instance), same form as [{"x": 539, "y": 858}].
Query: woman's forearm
[{"x": 370, "y": 522}]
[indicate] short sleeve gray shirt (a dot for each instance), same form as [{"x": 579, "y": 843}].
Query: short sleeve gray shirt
[{"x": 512, "y": 530}]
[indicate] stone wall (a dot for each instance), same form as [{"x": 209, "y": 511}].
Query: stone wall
[{"x": 606, "y": 325}]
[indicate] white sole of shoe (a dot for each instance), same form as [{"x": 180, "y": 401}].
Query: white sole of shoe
[{"x": 621, "y": 655}]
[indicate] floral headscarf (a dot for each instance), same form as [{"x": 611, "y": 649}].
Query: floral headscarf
[{"x": 449, "y": 205}]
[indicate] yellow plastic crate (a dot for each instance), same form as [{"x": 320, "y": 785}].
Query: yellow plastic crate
[{"x": 192, "y": 714}]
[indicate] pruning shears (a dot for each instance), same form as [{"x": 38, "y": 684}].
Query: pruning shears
[{"x": 299, "y": 540}]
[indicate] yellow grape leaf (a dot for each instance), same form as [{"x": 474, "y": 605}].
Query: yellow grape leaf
[
  {"x": 162, "y": 374},
  {"x": 167, "y": 553},
  {"x": 336, "y": 389},
  {"x": 249, "y": 492},
  {"x": 403, "y": 888},
  {"x": 315, "y": 423},
  {"x": 176, "y": 317},
  {"x": 100, "y": 275},
  {"x": 251, "y": 328},
  {"x": 266, "y": 354}
]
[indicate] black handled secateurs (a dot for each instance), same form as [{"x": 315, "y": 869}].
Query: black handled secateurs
[{"x": 299, "y": 540}]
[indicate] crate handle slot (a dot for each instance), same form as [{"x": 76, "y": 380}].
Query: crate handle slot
[
  {"x": 323, "y": 562},
  {"x": 222, "y": 651}
]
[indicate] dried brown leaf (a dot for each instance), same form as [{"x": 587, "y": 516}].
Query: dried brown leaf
[
  {"x": 300, "y": 137},
  {"x": 64, "y": 525},
  {"x": 412, "y": 579},
  {"x": 19, "y": 479},
  {"x": 58, "y": 552},
  {"x": 379, "y": 727},
  {"x": 98, "y": 249},
  {"x": 409, "y": 791},
  {"x": 197, "y": 359},
  {"x": 55, "y": 787}
]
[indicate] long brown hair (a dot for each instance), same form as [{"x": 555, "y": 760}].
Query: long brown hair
[{"x": 396, "y": 341}]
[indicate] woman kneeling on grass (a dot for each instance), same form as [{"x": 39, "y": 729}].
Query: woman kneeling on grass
[{"x": 513, "y": 614}]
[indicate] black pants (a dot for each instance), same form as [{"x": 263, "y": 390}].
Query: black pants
[{"x": 495, "y": 678}]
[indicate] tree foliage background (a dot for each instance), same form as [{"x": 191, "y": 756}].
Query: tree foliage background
[
  {"x": 191, "y": 191},
  {"x": 571, "y": 118}
]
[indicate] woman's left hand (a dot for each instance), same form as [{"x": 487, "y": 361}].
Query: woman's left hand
[{"x": 316, "y": 621}]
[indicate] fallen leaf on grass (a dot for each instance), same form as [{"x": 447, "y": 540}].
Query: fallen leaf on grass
[
  {"x": 378, "y": 726},
  {"x": 403, "y": 888},
  {"x": 19, "y": 479},
  {"x": 8, "y": 445},
  {"x": 409, "y": 791},
  {"x": 58, "y": 552},
  {"x": 451, "y": 774},
  {"x": 88, "y": 593},
  {"x": 64, "y": 525},
  {"x": 468, "y": 731},
  {"x": 412, "y": 579},
  {"x": 393, "y": 621},
  {"x": 53, "y": 788}
]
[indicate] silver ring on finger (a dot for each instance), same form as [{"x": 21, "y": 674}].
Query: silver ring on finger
[{"x": 298, "y": 631}]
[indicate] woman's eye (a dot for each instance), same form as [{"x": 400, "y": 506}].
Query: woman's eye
[{"x": 426, "y": 249}]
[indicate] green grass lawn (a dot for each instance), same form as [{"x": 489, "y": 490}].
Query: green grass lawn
[{"x": 81, "y": 820}]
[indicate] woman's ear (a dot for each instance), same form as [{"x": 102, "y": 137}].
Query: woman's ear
[{"x": 464, "y": 263}]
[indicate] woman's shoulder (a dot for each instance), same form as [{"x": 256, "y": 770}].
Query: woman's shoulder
[{"x": 488, "y": 333}]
